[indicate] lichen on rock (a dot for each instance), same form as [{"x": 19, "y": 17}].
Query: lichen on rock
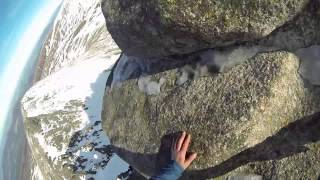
[
  {"x": 225, "y": 113},
  {"x": 158, "y": 28},
  {"x": 302, "y": 31}
]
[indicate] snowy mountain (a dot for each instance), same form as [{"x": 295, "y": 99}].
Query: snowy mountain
[
  {"x": 79, "y": 33},
  {"x": 62, "y": 112}
]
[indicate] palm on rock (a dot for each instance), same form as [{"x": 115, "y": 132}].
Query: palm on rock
[{"x": 179, "y": 151}]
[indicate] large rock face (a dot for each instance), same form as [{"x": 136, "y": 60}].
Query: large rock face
[
  {"x": 164, "y": 27},
  {"x": 229, "y": 115}
]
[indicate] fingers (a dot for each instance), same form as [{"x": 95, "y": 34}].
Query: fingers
[
  {"x": 191, "y": 158},
  {"x": 180, "y": 141},
  {"x": 179, "y": 150},
  {"x": 185, "y": 144}
]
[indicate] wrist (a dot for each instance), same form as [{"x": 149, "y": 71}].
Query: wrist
[{"x": 177, "y": 166}]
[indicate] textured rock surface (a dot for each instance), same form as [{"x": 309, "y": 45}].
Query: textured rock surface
[
  {"x": 302, "y": 31},
  {"x": 164, "y": 27},
  {"x": 230, "y": 116}
]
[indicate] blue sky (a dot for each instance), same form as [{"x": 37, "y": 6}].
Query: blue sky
[
  {"x": 22, "y": 22},
  {"x": 15, "y": 15},
  {"x": 21, "y": 25}
]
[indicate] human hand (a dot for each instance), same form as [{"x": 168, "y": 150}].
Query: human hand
[{"x": 179, "y": 150}]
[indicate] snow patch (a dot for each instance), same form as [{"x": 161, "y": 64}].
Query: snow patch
[
  {"x": 149, "y": 86},
  {"x": 190, "y": 66},
  {"x": 226, "y": 59},
  {"x": 37, "y": 174},
  {"x": 71, "y": 83},
  {"x": 50, "y": 149}
]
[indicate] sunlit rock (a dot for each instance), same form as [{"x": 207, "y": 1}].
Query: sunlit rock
[
  {"x": 165, "y": 27},
  {"x": 236, "y": 117}
]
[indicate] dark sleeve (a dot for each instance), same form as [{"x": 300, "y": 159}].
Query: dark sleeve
[{"x": 171, "y": 172}]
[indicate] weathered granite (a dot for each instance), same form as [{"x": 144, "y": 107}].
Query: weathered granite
[
  {"x": 302, "y": 31},
  {"x": 163, "y": 27},
  {"x": 229, "y": 115}
]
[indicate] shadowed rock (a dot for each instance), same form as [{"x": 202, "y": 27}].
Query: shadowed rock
[{"x": 302, "y": 31}]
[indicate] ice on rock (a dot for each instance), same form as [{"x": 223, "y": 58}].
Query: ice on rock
[{"x": 224, "y": 60}]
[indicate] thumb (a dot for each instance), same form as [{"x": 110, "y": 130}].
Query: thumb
[{"x": 190, "y": 158}]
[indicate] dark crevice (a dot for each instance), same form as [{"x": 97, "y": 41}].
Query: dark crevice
[{"x": 307, "y": 15}]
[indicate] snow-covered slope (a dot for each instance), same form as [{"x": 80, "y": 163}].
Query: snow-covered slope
[
  {"x": 62, "y": 111},
  {"x": 79, "y": 33},
  {"x": 63, "y": 120}
]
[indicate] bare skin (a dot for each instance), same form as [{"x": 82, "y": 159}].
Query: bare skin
[{"x": 179, "y": 151}]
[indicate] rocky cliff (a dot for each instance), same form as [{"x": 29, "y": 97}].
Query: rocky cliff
[
  {"x": 240, "y": 77},
  {"x": 237, "y": 119},
  {"x": 164, "y": 27}
]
